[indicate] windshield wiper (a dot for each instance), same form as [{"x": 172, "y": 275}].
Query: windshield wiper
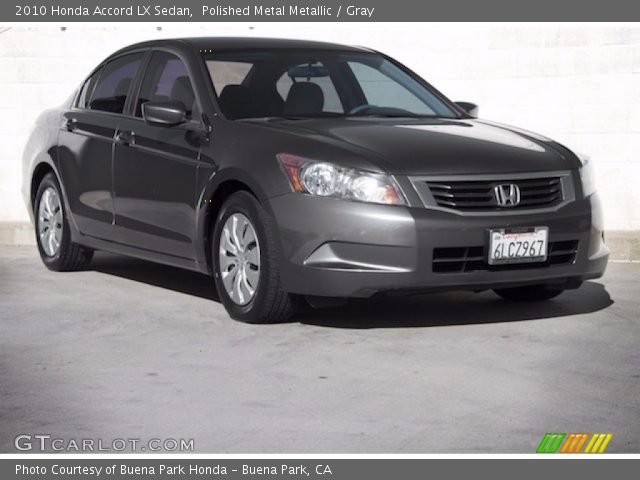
[
  {"x": 271, "y": 118},
  {"x": 393, "y": 115},
  {"x": 325, "y": 115}
]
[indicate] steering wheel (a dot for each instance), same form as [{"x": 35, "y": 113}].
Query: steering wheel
[{"x": 360, "y": 108}]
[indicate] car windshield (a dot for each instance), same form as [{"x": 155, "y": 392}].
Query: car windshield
[{"x": 318, "y": 83}]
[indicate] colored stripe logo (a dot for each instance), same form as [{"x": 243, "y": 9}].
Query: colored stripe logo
[
  {"x": 598, "y": 443},
  {"x": 574, "y": 442},
  {"x": 550, "y": 442}
]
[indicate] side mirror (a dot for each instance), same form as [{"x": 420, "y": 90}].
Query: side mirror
[
  {"x": 470, "y": 108},
  {"x": 168, "y": 113}
]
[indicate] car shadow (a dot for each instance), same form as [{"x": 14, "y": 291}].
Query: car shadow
[
  {"x": 156, "y": 274},
  {"x": 456, "y": 308},
  {"x": 427, "y": 310}
]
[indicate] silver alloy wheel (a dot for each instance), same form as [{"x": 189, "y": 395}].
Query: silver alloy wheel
[
  {"x": 239, "y": 257},
  {"x": 50, "y": 221}
]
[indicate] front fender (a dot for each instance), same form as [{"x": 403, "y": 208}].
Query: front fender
[{"x": 210, "y": 180}]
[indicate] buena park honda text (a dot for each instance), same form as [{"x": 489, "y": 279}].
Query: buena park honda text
[
  {"x": 294, "y": 170},
  {"x": 162, "y": 469}
]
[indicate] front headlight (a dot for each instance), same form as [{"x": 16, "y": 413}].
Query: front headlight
[
  {"x": 329, "y": 180},
  {"x": 587, "y": 175}
]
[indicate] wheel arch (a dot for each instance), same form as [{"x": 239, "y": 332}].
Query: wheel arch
[
  {"x": 211, "y": 202},
  {"x": 44, "y": 165},
  {"x": 39, "y": 172}
]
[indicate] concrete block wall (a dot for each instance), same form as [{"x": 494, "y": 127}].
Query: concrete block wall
[{"x": 579, "y": 84}]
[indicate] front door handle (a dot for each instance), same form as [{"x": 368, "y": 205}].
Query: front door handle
[
  {"x": 125, "y": 138},
  {"x": 70, "y": 124}
]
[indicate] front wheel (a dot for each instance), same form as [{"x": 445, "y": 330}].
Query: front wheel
[
  {"x": 531, "y": 293},
  {"x": 246, "y": 270}
]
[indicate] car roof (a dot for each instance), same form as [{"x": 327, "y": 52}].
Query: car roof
[{"x": 238, "y": 43}]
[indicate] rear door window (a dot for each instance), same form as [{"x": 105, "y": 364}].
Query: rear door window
[{"x": 112, "y": 89}]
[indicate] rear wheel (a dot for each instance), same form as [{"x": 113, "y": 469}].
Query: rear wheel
[
  {"x": 246, "y": 265},
  {"x": 53, "y": 235},
  {"x": 531, "y": 293}
]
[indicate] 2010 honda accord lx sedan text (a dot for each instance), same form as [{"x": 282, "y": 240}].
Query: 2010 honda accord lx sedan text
[{"x": 292, "y": 170}]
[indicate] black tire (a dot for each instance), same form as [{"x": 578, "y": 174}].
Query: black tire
[
  {"x": 270, "y": 303},
  {"x": 69, "y": 255},
  {"x": 531, "y": 293}
]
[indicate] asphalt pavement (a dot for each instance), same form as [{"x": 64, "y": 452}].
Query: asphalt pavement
[{"x": 136, "y": 351}]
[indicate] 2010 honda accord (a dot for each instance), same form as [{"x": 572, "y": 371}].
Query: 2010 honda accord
[{"x": 292, "y": 170}]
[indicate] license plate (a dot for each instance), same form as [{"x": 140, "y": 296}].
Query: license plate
[{"x": 518, "y": 245}]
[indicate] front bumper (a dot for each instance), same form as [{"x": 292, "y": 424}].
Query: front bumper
[{"x": 336, "y": 248}]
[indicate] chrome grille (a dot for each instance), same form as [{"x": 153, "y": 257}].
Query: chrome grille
[{"x": 469, "y": 195}]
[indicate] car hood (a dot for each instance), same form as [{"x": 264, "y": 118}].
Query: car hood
[{"x": 435, "y": 146}]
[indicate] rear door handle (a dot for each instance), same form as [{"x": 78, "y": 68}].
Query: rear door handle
[
  {"x": 70, "y": 124},
  {"x": 125, "y": 138}
]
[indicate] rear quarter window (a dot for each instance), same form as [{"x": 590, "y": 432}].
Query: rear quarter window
[{"x": 87, "y": 89}]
